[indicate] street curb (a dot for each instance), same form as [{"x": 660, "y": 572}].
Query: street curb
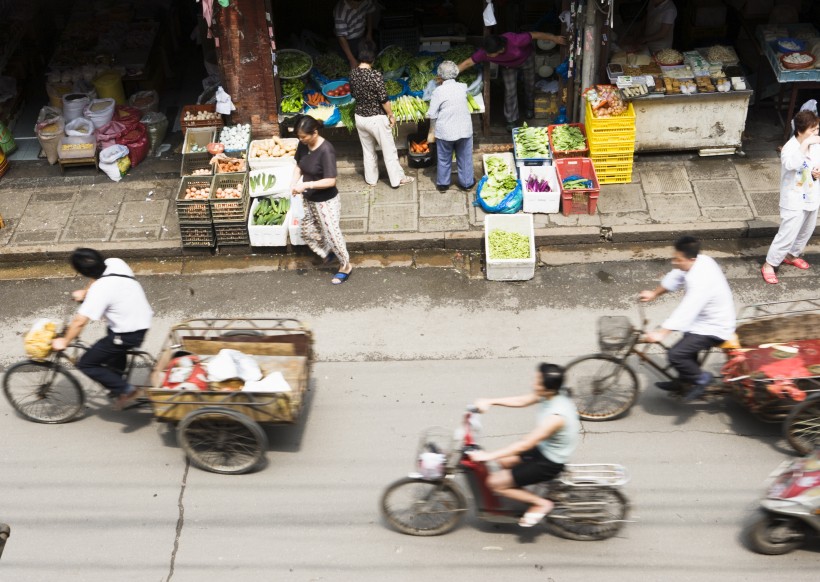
[{"x": 471, "y": 240}]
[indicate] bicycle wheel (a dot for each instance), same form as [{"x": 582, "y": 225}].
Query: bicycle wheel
[
  {"x": 588, "y": 514},
  {"x": 43, "y": 392},
  {"x": 802, "y": 427},
  {"x": 423, "y": 508},
  {"x": 603, "y": 387},
  {"x": 222, "y": 440}
]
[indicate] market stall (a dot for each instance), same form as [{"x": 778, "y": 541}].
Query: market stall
[
  {"x": 793, "y": 52},
  {"x": 695, "y": 100}
]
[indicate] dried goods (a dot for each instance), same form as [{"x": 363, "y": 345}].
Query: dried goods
[
  {"x": 721, "y": 54},
  {"x": 668, "y": 57},
  {"x": 75, "y": 147}
]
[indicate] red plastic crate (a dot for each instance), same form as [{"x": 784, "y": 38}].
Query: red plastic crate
[
  {"x": 568, "y": 153},
  {"x": 578, "y": 201}
]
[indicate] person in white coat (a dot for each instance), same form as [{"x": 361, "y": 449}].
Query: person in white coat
[{"x": 799, "y": 196}]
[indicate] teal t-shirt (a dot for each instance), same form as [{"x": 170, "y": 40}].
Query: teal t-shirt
[{"x": 560, "y": 445}]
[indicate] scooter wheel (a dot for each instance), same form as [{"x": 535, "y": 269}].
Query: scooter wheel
[
  {"x": 423, "y": 508},
  {"x": 773, "y": 535}
]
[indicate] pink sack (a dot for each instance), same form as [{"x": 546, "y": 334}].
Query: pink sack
[
  {"x": 128, "y": 116},
  {"x": 136, "y": 139},
  {"x": 109, "y": 133}
]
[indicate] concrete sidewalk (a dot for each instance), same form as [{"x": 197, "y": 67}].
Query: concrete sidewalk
[{"x": 48, "y": 215}]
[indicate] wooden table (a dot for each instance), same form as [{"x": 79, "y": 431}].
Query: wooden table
[{"x": 71, "y": 162}]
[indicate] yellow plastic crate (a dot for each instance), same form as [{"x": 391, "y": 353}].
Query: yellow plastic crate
[
  {"x": 609, "y": 159},
  {"x": 615, "y": 178},
  {"x": 612, "y": 166},
  {"x": 608, "y": 126},
  {"x": 610, "y": 148}
]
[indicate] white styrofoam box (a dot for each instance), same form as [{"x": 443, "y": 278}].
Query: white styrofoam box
[
  {"x": 545, "y": 202},
  {"x": 506, "y": 156},
  {"x": 258, "y": 163},
  {"x": 294, "y": 220},
  {"x": 283, "y": 175},
  {"x": 510, "y": 269},
  {"x": 199, "y": 136},
  {"x": 268, "y": 235}
]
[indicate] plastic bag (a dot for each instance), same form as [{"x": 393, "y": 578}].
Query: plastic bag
[
  {"x": 489, "y": 15},
  {"x": 79, "y": 127},
  {"x": 136, "y": 139},
  {"x": 110, "y": 159},
  {"x": 229, "y": 364},
  {"x": 128, "y": 116},
  {"x": 50, "y": 128},
  {"x": 100, "y": 111},
  {"x": 109, "y": 133},
  {"x": 37, "y": 341},
  {"x": 185, "y": 373},
  {"x": 145, "y": 101},
  {"x": 512, "y": 202},
  {"x": 156, "y": 124}
]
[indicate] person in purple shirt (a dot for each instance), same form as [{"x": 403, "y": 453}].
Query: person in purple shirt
[{"x": 513, "y": 51}]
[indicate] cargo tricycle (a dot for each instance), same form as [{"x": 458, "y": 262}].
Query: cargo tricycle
[{"x": 772, "y": 368}]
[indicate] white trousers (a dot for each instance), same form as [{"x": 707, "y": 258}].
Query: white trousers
[
  {"x": 372, "y": 131},
  {"x": 796, "y": 228}
]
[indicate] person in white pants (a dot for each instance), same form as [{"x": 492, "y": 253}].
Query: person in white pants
[
  {"x": 375, "y": 120},
  {"x": 799, "y": 197}
]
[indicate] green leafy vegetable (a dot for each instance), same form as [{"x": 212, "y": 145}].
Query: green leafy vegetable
[
  {"x": 393, "y": 87},
  {"x": 332, "y": 66},
  {"x": 500, "y": 181},
  {"x": 531, "y": 142},
  {"x": 508, "y": 245},
  {"x": 458, "y": 54},
  {"x": 347, "y": 112},
  {"x": 293, "y": 64},
  {"x": 392, "y": 58},
  {"x": 567, "y": 138},
  {"x": 418, "y": 81}
]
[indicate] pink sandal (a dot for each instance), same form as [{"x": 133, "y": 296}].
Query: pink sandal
[
  {"x": 796, "y": 262},
  {"x": 769, "y": 276}
]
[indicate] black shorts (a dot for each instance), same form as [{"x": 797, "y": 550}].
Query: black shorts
[{"x": 535, "y": 468}]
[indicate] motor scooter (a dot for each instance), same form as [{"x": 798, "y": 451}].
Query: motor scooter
[
  {"x": 790, "y": 511},
  {"x": 588, "y": 502}
]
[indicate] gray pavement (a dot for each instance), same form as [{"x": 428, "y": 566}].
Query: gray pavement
[
  {"x": 48, "y": 215},
  {"x": 109, "y": 497}
]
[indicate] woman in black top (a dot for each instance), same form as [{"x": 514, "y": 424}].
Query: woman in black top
[
  {"x": 315, "y": 176},
  {"x": 374, "y": 119}
]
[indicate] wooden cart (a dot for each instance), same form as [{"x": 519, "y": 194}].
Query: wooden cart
[{"x": 219, "y": 428}]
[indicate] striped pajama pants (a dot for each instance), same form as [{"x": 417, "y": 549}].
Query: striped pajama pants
[
  {"x": 321, "y": 230},
  {"x": 510, "y": 77}
]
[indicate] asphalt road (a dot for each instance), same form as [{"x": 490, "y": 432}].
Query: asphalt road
[{"x": 110, "y": 497}]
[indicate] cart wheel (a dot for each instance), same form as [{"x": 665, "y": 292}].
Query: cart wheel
[
  {"x": 603, "y": 387},
  {"x": 222, "y": 440},
  {"x": 802, "y": 426},
  {"x": 43, "y": 392}
]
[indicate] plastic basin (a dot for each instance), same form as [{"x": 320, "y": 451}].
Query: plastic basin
[{"x": 335, "y": 85}]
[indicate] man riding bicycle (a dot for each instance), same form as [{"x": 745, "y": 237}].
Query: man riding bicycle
[
  {"x": 705, "y": 316},
  {"x": 540, "y": 455},
  {"x": 114, "y": 294}
]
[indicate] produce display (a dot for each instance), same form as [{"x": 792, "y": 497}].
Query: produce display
[
  {"x": 225, "y": 165},
  {"x": 271, "y": 212},
  {"x": 409, "y": 108},
  {"x": 261, "y": 182},
  {"x": 535, "y": 184},
  {"x": 668, "y": 57},
  {"x": 500, "y": 181},
  {"x": 576, "y": 182},
  {"x": 392, "y": 58},
  {"x": 393, "y": 87},
  {"x": 228, "y": 193},
  {"x": 566, "y": 138},
  {"x": 200, "y": 116},
  {"x": 421, "y": 71},
  {"x": 197, "y": 193},
  {"x": 293, "y": 64},
  {"x": 235, "y": 137},
  {"x": 332, "y": 66},
  {"x": 473, "y": 104},
  {"x": 420, "y": 148},
  {"x": 316, "y": 99},
  {"x": 458, "y": 54},
  {"x": 606, "y": 101},
  {"x": 271, "y": 148},
  {"x": 322, "y": 113},
  {"x": 340, "y": 91},
  {"x": 508, "y": 245},
  {"x": 531, "y": 142},
  {"x": 347, "y": 111},
  {"x": 292, "y": 101},
  {"x": 201, "y": 172},
  {"x": 419, "y": 81}
]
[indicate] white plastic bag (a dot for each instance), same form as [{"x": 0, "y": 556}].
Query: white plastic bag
[
  {"x": 79, "y": 127},
  {"x": 489, "y": 15},
  {"x": 108, "y": 161},
  {"x": 274, "y": 382},
  {"x": 224, "y": 104},
  {"x": 229, "y": 364}
]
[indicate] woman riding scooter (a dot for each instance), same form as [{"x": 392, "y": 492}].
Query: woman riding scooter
[{"x": 541, "y": 454}]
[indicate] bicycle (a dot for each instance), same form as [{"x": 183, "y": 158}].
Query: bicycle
[
  {"x": 604, "y": 386},
  {"x": 46, "y": 391}
]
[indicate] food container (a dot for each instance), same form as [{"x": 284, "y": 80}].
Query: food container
[
  {"x": 506, "y": 156},
  {"x": 282, "y": 176},
  {"x": 509, "y": 269},
  {"x": 335, "y": 85},
  {"x": 543, "y": 202},
  {"x": 424, "y": 160},
  {"x": 578, "y": 201},
  {"x": 520, "y": 162},
  {"x": 267, "y": 235},
  {"x": 80, "y": 147},
  {"x": 196, "y": 138},
  {"x": 193, "y": 110},
  {"x": 568, "y": 153},
  {"x": 788, "y": 45},
  {"x": 287, "y": 52},
  {"x": 808, "y": 64},
  {"x": 229, "y": 209},
  {"x": 256, "y": 163},
  {"x": 194, "y": 210}
]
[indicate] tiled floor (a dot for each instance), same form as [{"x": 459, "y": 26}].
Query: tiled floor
[{"x": 28, "y": 148}]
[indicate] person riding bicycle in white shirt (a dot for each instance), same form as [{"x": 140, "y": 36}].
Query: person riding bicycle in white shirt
[{"x": 115, "y": 295}]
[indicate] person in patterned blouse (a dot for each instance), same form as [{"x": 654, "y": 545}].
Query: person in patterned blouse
[
  {"x": 451, "y": 128},
  {"x": 375, "y": 120}
]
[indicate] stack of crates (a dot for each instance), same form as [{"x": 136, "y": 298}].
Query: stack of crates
[
  {"x": 230, "y": 215},
  {"x": 612, "y": 145},
  {"x": 196, "y": 226},
  {"x": 195, "y": 156}
]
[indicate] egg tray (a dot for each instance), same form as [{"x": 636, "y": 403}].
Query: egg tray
[
  {"x": 229, "y": 209},
  {"x": 193, "y": 210}
]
